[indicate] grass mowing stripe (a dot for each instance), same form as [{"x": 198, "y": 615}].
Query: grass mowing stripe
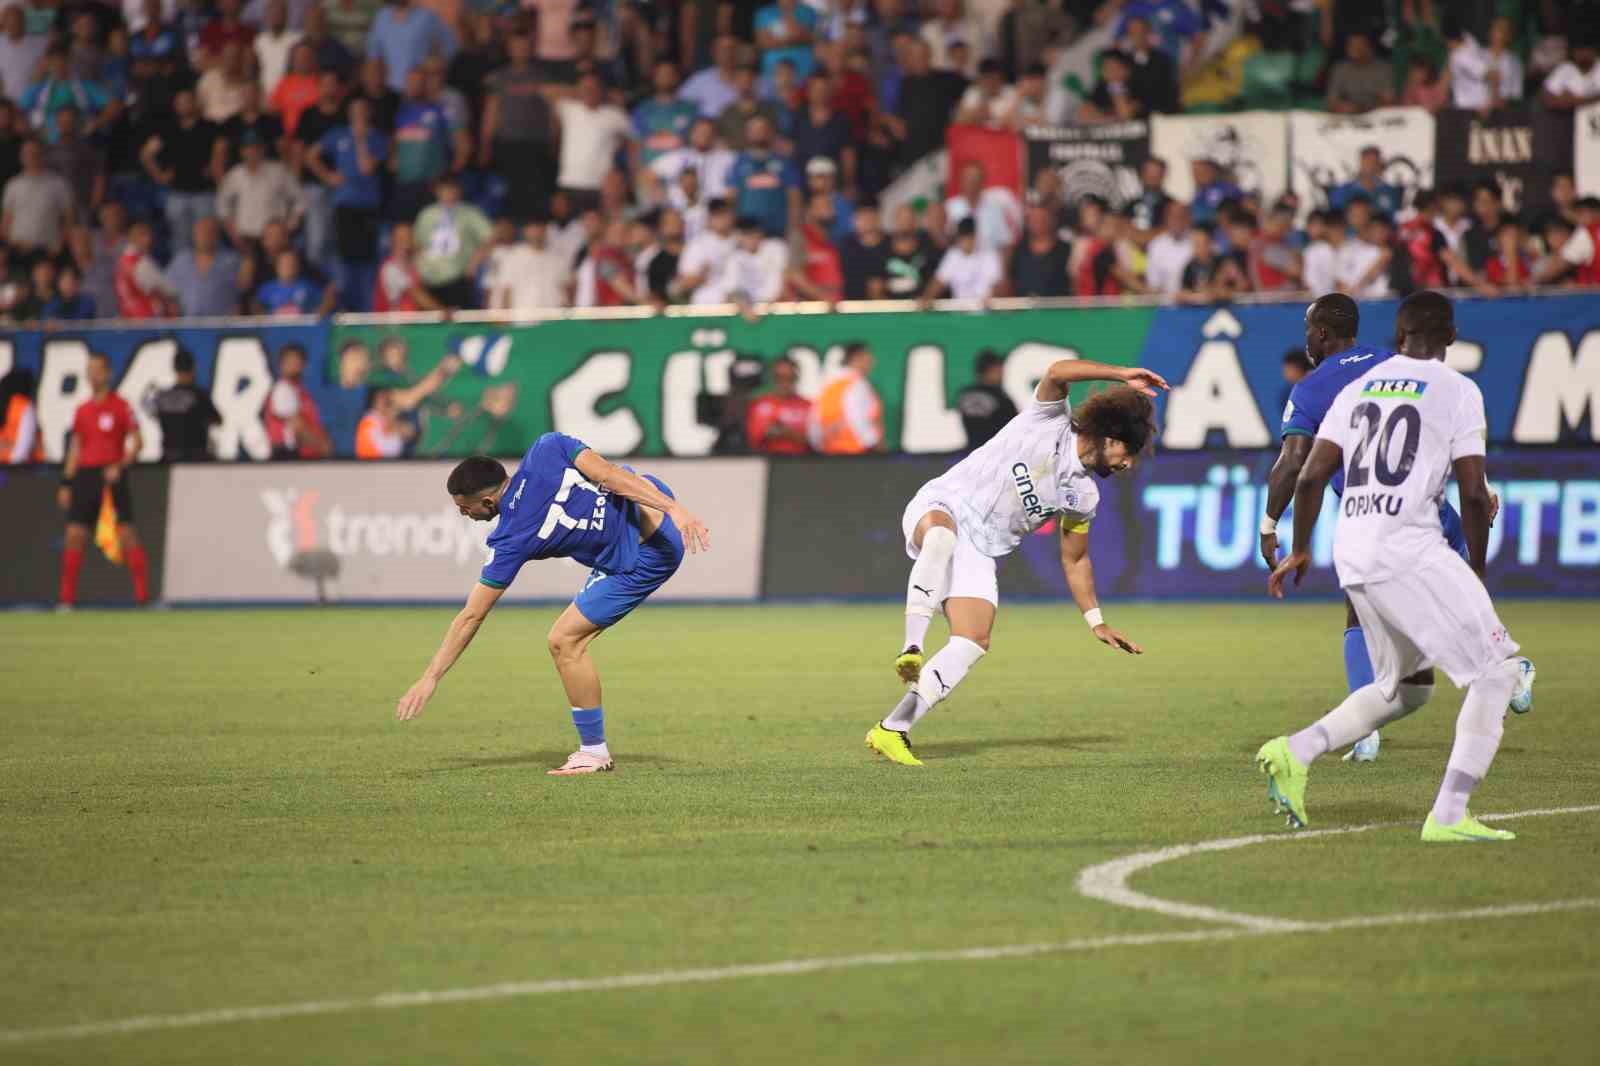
[{"x": 792, "y": 967}]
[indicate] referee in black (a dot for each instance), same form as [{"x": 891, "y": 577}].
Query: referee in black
[{"x": 186, "y": 414}]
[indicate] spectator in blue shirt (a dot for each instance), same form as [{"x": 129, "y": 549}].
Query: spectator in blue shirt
[
  {"x": 661, "y": 123},
  {"x": 57, "y": 89},
  {"x": 403, "y": 35},
  {"x": 786, "y": 30},
  {"x": 1178, "y": 26},
  {"x": 349, "y": 160},
  {"x": 289, "y": 293},
  {"x": 712, "y": 89},
  {"x": 766, "y": 184},
  {"x": 1368, "y": 183},
  {"x": 205, "y": 275},
  {"x": 70, "y": 303},
  {"x": 1210, "y": 191}
]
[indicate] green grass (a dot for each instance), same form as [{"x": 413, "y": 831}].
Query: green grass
[{"x": 208, "y": 810}]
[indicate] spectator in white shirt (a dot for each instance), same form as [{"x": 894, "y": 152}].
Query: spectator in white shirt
[
  {"x": 754, "y": 272},
  {"x": 700, "y": 268},
  {"x": 592, "y": 132},
  {"x": 1319, "y": 264},
  {"x": 701, "y": 157},
  {"x": 257, "y": 191},
  {"x": 989, "y": 101},
  {"x": 1484, "y": 78},
  {"x": 529, "y": 275},
  {"x": 994, "y": 210},
  {"x": 1169, "y": 251},
  {"x": 273, "y": 43},
  {"x": 967, "y": 272},
  {"x": 1363, "y": 266},
  {"x": 1575, "y": 82}
]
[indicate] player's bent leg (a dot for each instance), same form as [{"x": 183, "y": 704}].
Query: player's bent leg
[
  {"x": 933, "y": 538},
  {"x": 1479, "y": 728},
  {"x": 971, "y": 623},
  {"x": 1358, "y": 673},
  {"x": 569, "y": 641}
]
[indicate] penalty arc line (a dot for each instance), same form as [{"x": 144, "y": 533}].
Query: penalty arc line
[
  {"x": 1108, "y": 881},
  {"x": 793, "y": 967}
]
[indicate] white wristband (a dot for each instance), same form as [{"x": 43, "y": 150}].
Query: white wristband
[
  {"x": 1269, "y": 525},
  {"x": 1094, "y": 617}
]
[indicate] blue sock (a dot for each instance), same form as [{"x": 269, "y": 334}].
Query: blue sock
[
  {"x": 1357, "y": 664},
  {"x": 591, "y": 723}
]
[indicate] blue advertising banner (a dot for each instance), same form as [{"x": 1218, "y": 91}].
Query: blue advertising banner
[
  {"x": 234, "y": 363},
  {"x": 1186, "y": 526},
  {"x": 1537, "y": 362}
]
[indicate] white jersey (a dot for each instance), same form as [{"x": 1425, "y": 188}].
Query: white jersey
[
  {"x": 1018, "y": 480},
  {"x": 1400, "y": 425}
]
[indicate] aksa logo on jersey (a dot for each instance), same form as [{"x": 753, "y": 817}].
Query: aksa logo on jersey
[
  {"x": 1394, "y": 388},
  {"x": 298, "y": 528}
]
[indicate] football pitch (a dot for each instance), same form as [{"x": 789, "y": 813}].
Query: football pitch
[{"x": 216, "y": 845}]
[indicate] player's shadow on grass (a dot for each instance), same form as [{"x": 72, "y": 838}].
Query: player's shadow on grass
[
  {"x": 958, "y": 749},
  {"x": 545, "y": 759}
]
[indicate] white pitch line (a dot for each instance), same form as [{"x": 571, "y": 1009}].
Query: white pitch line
[
  {"x": 1108, "y": 881},
  {"x": 792, "y": 967}
]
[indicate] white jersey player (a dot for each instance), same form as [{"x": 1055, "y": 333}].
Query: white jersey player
[
  {"x": 1397, "y": 432},
  {"x": 1041, "y": 466}
]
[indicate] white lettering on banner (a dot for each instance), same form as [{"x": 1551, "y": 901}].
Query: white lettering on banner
[
  {"x": 1580, "y": 524},
  {"x": 1465, "y": 356},
  {"x": 7, "y": 350},
  {"x": 1215, "y": 395},
  {"x": 930, "y": 424},
  {"x": 810, "y": 364},
  {"x": 1529, "y": 499},
  {"x": 1558, "y": 388},
  {"x": 294, "y": 528},
  {"x": 62, "y": 387},
  {"x": 1024, "y": 367},
  {"x": 1488, "y": 145},
  {"x": 575, "y": 398},
  {"x": 147, "y": 373},
  {"x": 241, "y": 378},
  {"x": 681, "y": 384},
  {"x": 1586, "y": 150},
  {"x": 1215, "y": 550}
]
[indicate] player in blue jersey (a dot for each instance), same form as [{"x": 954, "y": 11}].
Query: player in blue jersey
[
  {"x": 1332, "y": 322},
  {"x": 565, "y": 501}
]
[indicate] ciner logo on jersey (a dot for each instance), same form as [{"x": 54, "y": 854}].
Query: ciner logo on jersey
[
  {"x": 1394, "y": 388},
  {"x": 1022, "y": 477}
]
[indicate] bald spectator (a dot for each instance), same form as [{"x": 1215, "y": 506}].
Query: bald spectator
[
  {"x": 36, "y": 206},
  {"x": 205, "y": 277},
  {"x": 256, "y": 191}
]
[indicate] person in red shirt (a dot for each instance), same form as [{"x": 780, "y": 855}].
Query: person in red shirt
[
  {"x": 105, "y": 440},
  {"x": 1509, "y": 267},
  {"x": 614, "y": 282},
  {"x": 776, "y": 422},
  {"x": 820, "y": 273},
  {"x": 294, "y": 425},
  {"x": 142, "y": 289}
]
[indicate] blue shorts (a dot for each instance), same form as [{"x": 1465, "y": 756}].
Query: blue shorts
[
  {"x": 1452, "y": 529},
  {"x": 606, "y": 599}
]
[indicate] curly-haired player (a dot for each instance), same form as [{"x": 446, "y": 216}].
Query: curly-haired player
[{"x": 1037, "y": 468}]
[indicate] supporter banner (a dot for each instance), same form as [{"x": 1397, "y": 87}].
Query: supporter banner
[
  {"x": 1325, "y": 150},
  {"x": 30, "y": 538},
  {"x": 234, "y": 362},
  {"x": 1000, "y": 152},
  {"x": 1251, "y": 147},
  {"x": 1517, "y": 148},
  {"x": 1098, "y": 161},
  {"x": 355, "y": 532},
  {"x": 1536, "y": 361},
  {"x": 1185, "y": 526},
  {"x": 1586, "y": 150},
  {"x": 634, "y": 387}
]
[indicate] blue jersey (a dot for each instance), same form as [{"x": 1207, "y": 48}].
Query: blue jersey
[
  {"x": 1314, "y": 394},
  {"x": 550, "y": 510}
]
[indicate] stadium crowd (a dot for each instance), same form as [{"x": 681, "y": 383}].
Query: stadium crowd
[{"x": 206, "y": 158}]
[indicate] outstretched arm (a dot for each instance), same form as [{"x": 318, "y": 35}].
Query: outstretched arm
[
  {"x": 1064, "y": 373},
  {"x": 630, "y": 486},
  {"x": 462, "y": 629},
  {"x": 1280, "y": 487},
  {"x": 1325, "y": 458},
  {"x": 1080, "y": 579}
]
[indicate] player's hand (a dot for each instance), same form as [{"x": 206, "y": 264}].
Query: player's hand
[
  {"x": 113, "y": 474},
  {"x": 696, "y": 537},
  {"x": 1269, "y": 548},
  {"x": 64, "y": 498},
  {"x": 1146, "y": 381},
  {"x": 416, "y": 698},
  {"x": 1494, "y": 506},
  {"x": 1298, "y": 564},
  {"x": 1110, "y": 637}
]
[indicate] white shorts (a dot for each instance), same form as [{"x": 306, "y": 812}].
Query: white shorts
[
  {"x": 972, "y": 573},
  {"x": 1436, "y": 614}
]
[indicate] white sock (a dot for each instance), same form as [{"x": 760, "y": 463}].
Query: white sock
[
  {"x": 596, "y": 749},
  {"x": 907, "y": 713},
  {"x": 1362, "y": 711},
  {"x": 942, "y": 673},
  {"x": 1478, "y": 730},
  {"x": 930, "y": 575}
]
